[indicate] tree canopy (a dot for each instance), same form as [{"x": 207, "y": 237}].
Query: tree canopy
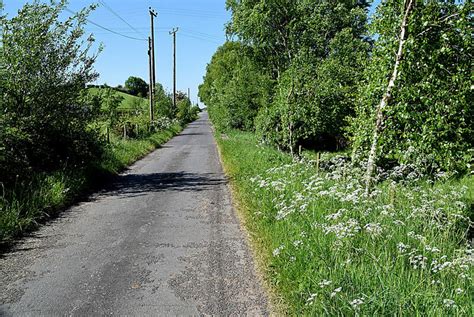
[
  {"x": 234, "y": 88},
  {"x": 311, "y": 73},
  {"x": 429, "y": 119},
  {"x": 136, "y": 86}
]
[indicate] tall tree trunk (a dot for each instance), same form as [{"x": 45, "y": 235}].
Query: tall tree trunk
[{"x": 387, "y": 96}]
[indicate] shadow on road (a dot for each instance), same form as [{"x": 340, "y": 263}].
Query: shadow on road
[
  {"x": 132, "y": 185},
  {"x": 126, "y": 186},
  {"x": 184, "y": 134}
]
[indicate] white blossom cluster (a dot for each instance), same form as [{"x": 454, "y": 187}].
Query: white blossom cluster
[
  {"x": 340, "y": 211},
  {"x": 164, "y": 123}
]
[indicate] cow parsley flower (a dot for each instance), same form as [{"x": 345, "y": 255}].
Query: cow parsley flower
[
  {"x": 374, "y": 229},
  {"x": 297, "y": 243},
  {"x": 311, "y": 298},
  {"x": 449, "y": 303},
  {"x": 402, "y": 248},
  {"x": 337, "y": 290},
  {"x": 324, "y": 283},
  {"x": 277, "y": 251},
  {"x": 356, "y": 303}
]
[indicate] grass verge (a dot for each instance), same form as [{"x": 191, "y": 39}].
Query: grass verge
[
  {"x": 327, "y": 249},
  {"x": 24, "y": 207}
]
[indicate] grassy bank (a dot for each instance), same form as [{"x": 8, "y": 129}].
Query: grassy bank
[
  {"x": 327, "y": 249},
  {"x": 129, "y": 102},
  {"x": 21, "y": 208}
]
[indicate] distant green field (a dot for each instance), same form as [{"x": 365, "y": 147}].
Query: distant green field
[{"x": 129, "y": 101}]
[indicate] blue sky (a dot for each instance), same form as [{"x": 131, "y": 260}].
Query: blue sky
[{"x": 201, "y": 31}]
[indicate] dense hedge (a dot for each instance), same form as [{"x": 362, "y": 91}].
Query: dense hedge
[{"x": 312, "y": 73}]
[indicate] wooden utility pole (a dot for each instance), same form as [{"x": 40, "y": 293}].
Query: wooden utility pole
[
  {"x": 189, "y": 95},
  {"x": 173, "y": 32},
  {"x": 153, "y": 14},
  {"x": 150, "y": 87}
]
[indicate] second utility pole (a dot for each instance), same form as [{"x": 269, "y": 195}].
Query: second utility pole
[
  {"x": 173, "y": 32},
  {"x": 153, "y": 15},
  {"x": 151, "y": 49}
]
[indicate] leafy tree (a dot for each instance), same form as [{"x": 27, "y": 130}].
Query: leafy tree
[
  {"x": 278, "y": 29},
  {"x": 266, "y": 26},
  {"x": 184, "y": 113},
  {"x": 234, "y": 88},
  {"x": 327, "y": 52},
  {"x": 45, "y": 110},
  {"x": 163, "y": 103},
  {"x": 110, "y": 103},
  {"x": 428, "y": 119},
  {"x": 136, "y": 86},
  {"x": 306, "y": 57}
]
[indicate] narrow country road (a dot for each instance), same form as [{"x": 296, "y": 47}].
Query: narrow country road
[{"x": 162, "y": 240}]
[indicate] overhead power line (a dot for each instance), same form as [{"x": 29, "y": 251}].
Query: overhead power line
[
  {"x": 118, "y": 16},
  {"x": 107, "y": 29}
]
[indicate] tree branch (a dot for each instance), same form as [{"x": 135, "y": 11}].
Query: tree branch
[{"x": 444, "y": 19}]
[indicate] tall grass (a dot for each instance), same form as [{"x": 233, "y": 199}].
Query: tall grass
[
  {"x": 328, "y": 249},
  {"x": 22, "y": 206}
]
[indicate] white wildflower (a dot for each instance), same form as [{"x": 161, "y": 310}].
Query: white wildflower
[
  {"x": 337, "y": 290},
  {"x": 374, "y": 229},
  {"x": 432, "y": 249},
  {"x": 278, "y": 185},
  {"x": 449, "y": 303},
  {"x": 387, "y": 210},
  {"x": 398, "y": 223},
  {"x": 324, "y": 283},
  {"x": 343, "y": 229},
  {"x": 356, "y": 303},
  {"x": 435, "y": 268},
  {"x": 336, "y": 215},
  {"x": 311, "y": 298},
  {"x": 419, "y": 237},
  {"x": 418, "y": 261},
  {"x": 297, "y": 243},
  {"x": 402, "y": 248},
  {"x": 277, "y": 251}
]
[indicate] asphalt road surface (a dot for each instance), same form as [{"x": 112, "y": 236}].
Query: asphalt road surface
[{"x": 162, "y": 240}]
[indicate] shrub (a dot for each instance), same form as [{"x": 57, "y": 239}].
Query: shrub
[{"x": 44, "y": 112}]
